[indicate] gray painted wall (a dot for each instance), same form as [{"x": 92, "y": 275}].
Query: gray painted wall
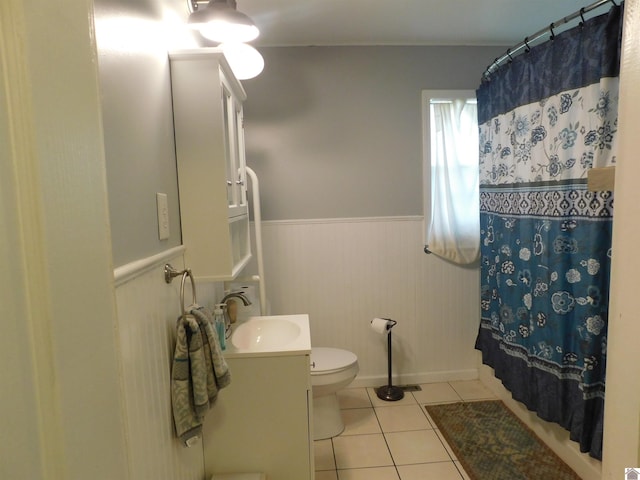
[
  {"x": 133, "y": 40},
  {"x": 335, "y": 132}
]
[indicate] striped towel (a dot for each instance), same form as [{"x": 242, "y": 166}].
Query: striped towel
[
  {"x": 199, "y": 371},
  {"x": 218, "y": 375}
]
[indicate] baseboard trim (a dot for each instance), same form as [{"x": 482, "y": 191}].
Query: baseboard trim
[
  {"x": 416, "y": 378},
  {"x": 327, "y": 221}
]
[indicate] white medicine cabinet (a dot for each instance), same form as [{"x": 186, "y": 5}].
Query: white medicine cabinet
[{"x": 212, "y": 182}]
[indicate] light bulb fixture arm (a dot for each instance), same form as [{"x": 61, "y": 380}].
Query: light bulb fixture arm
[{"x": 194, "y": 5}]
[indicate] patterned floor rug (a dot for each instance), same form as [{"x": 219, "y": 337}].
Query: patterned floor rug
[{"x": 493, "y": 444}]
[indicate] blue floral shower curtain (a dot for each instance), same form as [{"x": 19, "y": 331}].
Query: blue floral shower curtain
[{"x": 545, "y": 119}]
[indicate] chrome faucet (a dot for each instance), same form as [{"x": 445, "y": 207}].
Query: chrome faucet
[
  {"x": 246, "y": 302},
  {"x": 231, "y": 312}
]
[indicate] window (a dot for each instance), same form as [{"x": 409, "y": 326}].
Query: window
[{"x": 450, "y": 132}]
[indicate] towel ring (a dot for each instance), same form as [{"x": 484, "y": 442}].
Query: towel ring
[
  {"x": 170, "y": 273},
  {"x": 185, "y": 274}
]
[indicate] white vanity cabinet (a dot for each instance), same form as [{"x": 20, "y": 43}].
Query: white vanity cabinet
[
  {"x": 209, "y": 134},
  {"x": 262, "y": 421}
]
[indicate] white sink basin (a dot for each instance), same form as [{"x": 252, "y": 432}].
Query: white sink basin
[{"x": 265, "y": 333}]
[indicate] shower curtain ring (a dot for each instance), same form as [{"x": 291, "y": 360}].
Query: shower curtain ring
[
  {"x": 553, "y": 35},
  {"x": 509, "y": 55},
  {"x": 526, "y": 43},
  {"x": 582, "y": 17}
]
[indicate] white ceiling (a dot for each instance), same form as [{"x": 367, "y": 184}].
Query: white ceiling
[{"x": 403, "y": 22}]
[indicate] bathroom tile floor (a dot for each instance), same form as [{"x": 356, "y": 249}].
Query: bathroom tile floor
[{"x": 393, "y": 440}]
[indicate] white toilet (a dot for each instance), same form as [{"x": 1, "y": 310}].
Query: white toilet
[{"x": 331, "y": 370}]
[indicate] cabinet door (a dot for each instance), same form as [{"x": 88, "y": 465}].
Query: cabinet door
[
  {"x": 260, "y": 422},
  {"x": 234, "y": 151},
  {"x": 242, "y": 163}
]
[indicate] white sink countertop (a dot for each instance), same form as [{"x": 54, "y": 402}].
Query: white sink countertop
[{"x": 254, "y": 337}]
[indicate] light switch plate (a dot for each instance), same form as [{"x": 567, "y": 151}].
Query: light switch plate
[{"x": 163, "y": 215}]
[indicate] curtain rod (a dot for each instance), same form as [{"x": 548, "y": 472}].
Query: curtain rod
[{"x": 526, "y": 43}]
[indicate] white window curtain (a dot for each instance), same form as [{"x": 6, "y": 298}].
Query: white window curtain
[{"x": 454, "y": 222}]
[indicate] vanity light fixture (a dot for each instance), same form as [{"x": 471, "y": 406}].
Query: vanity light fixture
[{"x": 220, "y": 21}]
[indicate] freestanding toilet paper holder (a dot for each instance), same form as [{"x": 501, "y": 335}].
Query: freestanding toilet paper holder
[{"x": 389, "y": 392}]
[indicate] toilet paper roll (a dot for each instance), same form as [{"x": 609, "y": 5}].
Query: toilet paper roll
[{"x": 380, "y": 325}]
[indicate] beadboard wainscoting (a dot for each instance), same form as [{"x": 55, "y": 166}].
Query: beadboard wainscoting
[
  {"x": 147, "y": 312},
  {"x": 345, "y": 272}
]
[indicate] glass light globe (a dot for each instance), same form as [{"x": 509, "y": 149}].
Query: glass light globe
[
  {"x": 245, "y": 61},
  {"x": 223, "y": 31}
]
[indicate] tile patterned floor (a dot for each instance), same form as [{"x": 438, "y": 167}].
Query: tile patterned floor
[{"x": 393, "y": 440}]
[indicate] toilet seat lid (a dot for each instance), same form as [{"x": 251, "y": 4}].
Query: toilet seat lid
[{"x": 326, "y": 360}]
